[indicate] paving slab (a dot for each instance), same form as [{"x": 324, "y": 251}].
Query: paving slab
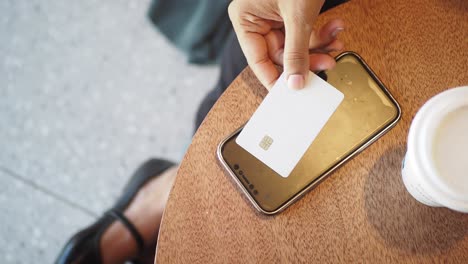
[
  {"x": 89, "y": 90},
  {"x": 34, "y": 224}
]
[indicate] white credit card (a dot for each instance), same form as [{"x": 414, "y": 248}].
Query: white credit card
[{"x": 287, "y": 122}]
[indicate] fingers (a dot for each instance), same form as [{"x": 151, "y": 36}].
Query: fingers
[
  {"x": 256, "y": 52},
  {"x": 298, "y": 20},
  {"x": 326, "y": 34},
  {"x": 321, "y": 62},
  {"x": 281, "y": 33},
  {"x": 275, "y": 43},
  {"x": 335, "y": 45},
  {"x": 276, "y": 52},
  {"x": 296, "y": 52},
  {"x": 254, "y": 46}
]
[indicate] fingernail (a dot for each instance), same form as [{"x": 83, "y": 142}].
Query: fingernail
[
  {"x": 296, "y": 81},
  {"x": 336, "y": 32}
]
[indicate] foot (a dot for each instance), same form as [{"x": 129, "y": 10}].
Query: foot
[{"x": 145, "y": 212}]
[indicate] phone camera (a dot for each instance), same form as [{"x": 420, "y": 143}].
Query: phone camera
[
  {"x": 236, "y": 166},
  {"x": 322, "y": 75}
]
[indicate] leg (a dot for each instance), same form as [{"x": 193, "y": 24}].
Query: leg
[
  {"x": 129, "y": 229},
  {"x": 232, "y": 63},
  {"x": 145, "y": 212}
]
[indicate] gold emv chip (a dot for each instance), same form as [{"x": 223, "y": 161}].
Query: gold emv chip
[{"x": 266, "y": 142}]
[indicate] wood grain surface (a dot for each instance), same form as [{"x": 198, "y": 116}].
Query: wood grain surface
[{"x": 362, "y": 212}]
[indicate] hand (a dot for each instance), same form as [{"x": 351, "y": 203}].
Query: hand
[{"x": 280, "y": 32}]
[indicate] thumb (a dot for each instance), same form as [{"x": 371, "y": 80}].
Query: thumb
[{"x": 296, "y": 51}]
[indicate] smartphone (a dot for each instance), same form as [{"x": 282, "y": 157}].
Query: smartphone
[{"x": 367, "y": 111}]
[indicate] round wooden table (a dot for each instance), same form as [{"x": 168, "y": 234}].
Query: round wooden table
[{"x": 362, "y": 212}]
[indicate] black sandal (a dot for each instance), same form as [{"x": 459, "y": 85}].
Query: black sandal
[{"x": 84, "y": 246}]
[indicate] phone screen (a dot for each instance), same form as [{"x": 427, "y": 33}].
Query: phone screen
[{"x": 367, "y": 111}]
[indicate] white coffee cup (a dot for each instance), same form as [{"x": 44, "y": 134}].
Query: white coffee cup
[{"x": 435, "y": 168}]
